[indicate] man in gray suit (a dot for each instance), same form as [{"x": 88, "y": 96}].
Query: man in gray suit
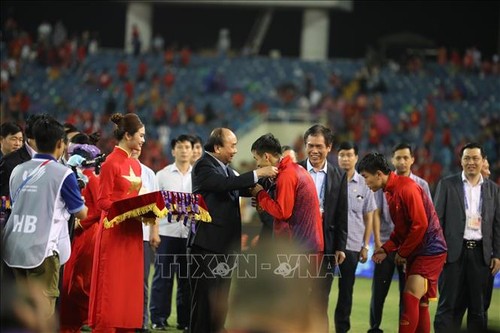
[{"x": 468, "y": 208}]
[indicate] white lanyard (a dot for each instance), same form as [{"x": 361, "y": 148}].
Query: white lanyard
[{"x": 472, "y": 203}]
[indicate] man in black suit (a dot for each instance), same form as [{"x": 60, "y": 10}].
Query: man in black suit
[
  {"x": 23, "y": 154},
  {"x": 468, "y": 208},
  {"x": 212, "y": 244},
  {"x": 331, "y": 186}
]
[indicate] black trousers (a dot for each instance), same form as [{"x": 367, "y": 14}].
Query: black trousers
[
  {"x": 346, "y": 287},
  {"x": 209, "y": 289},
  {"x": 463, "y": 283},
  {"x": 488, "y": 295},
  {"x": 381, "y": 282}
]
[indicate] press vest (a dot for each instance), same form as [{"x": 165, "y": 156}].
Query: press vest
[{"x": 38, "y": 212}]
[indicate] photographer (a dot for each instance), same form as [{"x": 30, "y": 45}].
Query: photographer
[
  {"x": 38, "y": 250},
  {"x": 84, "y": 156}
]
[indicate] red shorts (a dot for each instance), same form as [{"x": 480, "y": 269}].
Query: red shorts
[{"x": 430, "y": 268}]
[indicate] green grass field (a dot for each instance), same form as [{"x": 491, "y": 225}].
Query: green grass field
[{"x": 361, "y": 305}]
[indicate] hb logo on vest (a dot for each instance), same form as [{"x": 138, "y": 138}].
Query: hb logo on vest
[{"x": 24, "y": 223}]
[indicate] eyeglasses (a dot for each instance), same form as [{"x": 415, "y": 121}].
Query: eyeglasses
[{"x": 475, "y": 159}]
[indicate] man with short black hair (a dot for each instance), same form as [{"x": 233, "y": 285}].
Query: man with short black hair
[
  {"x": 468, "y": 209},
  {"x": 417, "y": 239},
  {"x": 197, "y": 148},
  {"x": 25, "y": 153},
  {"x": 295, "y": 207},
  {"x": 170, "y": 257},
  {"x": 11, "y": 138},
  {"x": 297, "y": 217},
  {"x": 362, "y": 205},
  {"x": 331, "y": 189},
  {"x": 36, "y": 236},
  {"x": 402, "y": 159}
]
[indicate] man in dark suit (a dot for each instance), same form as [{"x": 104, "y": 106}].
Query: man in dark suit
[
  {"x": 331, "y": 186},
  {"x": 10, "y": 161},
  {"x": 212, "y": 244},
  {"x": 468, "y": 209},
  {"x": 23, "y": 154}
]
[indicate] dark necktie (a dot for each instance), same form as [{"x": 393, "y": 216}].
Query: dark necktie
[{"x": 234, "y": 193}]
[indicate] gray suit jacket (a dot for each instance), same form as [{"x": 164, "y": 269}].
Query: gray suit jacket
[{"x": 450, "y": 207}]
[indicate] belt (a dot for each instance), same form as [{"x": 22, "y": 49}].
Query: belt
[{"x": 472, "y": 244}]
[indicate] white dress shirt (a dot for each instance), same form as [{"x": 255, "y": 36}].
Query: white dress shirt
[{"x": 171, "y": 179}]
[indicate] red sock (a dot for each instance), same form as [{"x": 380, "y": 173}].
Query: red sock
[
  {"x": 424, "y": 320},
  {"x": 409, "y": 318}
]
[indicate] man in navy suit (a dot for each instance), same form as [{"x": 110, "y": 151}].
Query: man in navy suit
[{"x": 212, "y": 244}]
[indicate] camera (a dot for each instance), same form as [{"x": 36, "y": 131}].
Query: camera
[
  {"x": 96, "y": 163},
  {"x": 77, "y": 161}
]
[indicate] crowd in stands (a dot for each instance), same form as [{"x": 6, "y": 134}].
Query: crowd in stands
[{"x": 438, "y": 105}]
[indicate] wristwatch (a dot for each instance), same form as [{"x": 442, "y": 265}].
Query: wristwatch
[{"x": 364, "y": 246}]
